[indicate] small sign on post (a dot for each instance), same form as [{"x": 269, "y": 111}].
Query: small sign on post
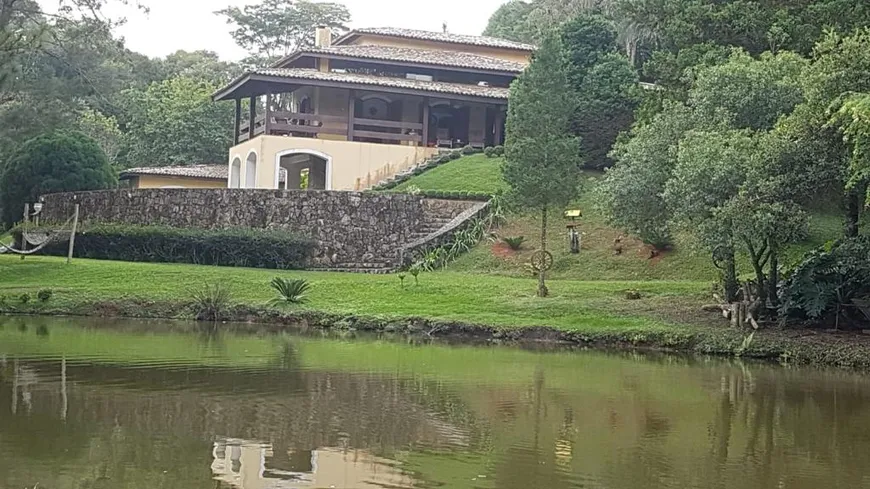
[{"x": 573, "y": 235}]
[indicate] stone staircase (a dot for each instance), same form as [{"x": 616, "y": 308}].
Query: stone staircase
[{"x": 441, "y": 219}]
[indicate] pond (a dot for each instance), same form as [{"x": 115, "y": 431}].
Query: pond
[{"x": 122, "y": 405}]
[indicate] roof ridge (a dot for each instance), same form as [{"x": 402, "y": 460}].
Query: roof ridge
[{"x": 436, "y": 36}]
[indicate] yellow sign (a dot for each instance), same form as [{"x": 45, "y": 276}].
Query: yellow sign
[{"x": 574, "y": 213}]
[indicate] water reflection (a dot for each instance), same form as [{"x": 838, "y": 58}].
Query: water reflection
[
  {"x": 254, "y": 465},
  {"x": 120, "y": 408}
]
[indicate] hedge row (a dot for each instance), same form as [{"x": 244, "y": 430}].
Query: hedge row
[
  {"x": 455, "y": 195},
  {"x": 237, "y": 247}
]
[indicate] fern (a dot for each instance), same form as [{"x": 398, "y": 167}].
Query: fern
[
  {"x": 514, "y": 242},
  {"x": 290, "y": 291}
]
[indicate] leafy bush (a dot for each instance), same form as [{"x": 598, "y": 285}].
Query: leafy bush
[
  {"x": 24, "y": 298},
  {"x": 828, "y": 280},
  {"x": 454, "y": 155},
  {"x": 290, "y": 291},
  {"x": 211, "y": 302},
  {"x": 514, "y": 242},
  {"x": 55, "y": 162},
  {"x": 227, "y": 247},
  {"x": 489, "y": 151},
  {"x": 498, "y": 151},
  {"x": 468, "y": 150},
  {"x": 44, "y": 295}
]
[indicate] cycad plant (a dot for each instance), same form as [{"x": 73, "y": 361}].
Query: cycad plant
[{"x": 290, "y": 291}]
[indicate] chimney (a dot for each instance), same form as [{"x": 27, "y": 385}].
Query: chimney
[{"x": 322, "y": 37}]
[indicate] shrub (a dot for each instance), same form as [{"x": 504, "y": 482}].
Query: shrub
[
  {"x": 44, "y": 295},
  {"x": 227, "y": 247},
  {"x": 211, "y": 302},
  {"x": 514, "y": 242},
  {"x": 24, "y": 298},
  {"x": 498, "y": 151},
  {"x": 290, "y": 291},
  {"x": 828, "y": 280},
  {"x": 454, "y": 155},
  {"x": 55, "y": 162},
  {"x": 489, "y": 152},
  {"x": 468, "y": 150}
]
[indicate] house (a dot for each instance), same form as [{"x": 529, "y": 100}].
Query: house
[
  {"x": 188, "y": 176},
  {"x": 192, "y": 176},
  {"x": 356, "y": 110}
]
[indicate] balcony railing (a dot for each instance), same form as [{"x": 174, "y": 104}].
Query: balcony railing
[{"x": 313, "y": 125}]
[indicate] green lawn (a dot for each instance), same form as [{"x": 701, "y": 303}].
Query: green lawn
[
  {"x": 475, "y": 173},
  {"x": 496, "y": 301},
  {"x": 597, "y": 261}
]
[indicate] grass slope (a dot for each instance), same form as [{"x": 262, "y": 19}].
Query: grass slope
[
  {"x": 597, "y": 261},
  {"x": 450, "y": 296}
]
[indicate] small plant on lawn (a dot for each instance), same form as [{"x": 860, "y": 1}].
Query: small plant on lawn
[
  {"x": 514, "y": 242},
  {"x": 290, "y": 291},
  {"x": 211, "y": 301},
  {"x": 44, "y": 295},
  {"x": 24, "y": 298},
  {"x": 498, "y": 151},
  {"x": 468, "y": 150},
  {"x": 489, "y": 151},
  {"x": 401, "y": 276},
  {"x": 415, "y": 272}
]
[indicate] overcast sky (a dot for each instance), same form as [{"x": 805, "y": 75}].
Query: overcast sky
[{"x": 191, "y": 24}]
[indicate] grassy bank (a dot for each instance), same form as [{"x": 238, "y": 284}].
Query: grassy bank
[
  {"x": 597, "y": 260},
  {"x": 596, "y": 314},
  {"x": 448, "y": 296}
]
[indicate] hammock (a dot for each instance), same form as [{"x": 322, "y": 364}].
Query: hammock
[{"x": 39, "y": 239}]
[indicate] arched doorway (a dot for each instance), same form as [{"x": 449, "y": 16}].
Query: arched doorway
[
  {"x": 305, "y": 169},
  {"x": 236, "y": 173},
  {"x": 251, "y": 171}
]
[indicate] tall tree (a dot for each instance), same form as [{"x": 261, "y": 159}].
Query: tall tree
[
  {"x": 175, "y": 122},
  {"x": 275, "y": 28},
  {"x": 509, "y": 22},
  {"x": 541, "y": 154},
  {"x": 605, "y": 84}
]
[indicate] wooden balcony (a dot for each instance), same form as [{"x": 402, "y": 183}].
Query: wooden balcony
[{"x": 279, "y": 123}]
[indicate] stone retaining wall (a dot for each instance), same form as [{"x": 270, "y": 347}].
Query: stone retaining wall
[{"x": 350, "y": 227}]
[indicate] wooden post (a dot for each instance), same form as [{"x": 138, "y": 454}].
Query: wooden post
[
  {"x": 267, "y": 123},
  {"x": 72, "y": 236},
  {"x": 238, "y": 125},
  {"x": 499, "y": 122},
  {"x": 252, "y": 113},
  {"x": 351, "y": 115},
  {"x": 425, "y": 139},
  {"x": 24, "y": 229}
]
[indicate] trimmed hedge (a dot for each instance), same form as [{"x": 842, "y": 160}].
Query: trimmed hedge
[
  {"x": 455, "y": 195},
  {"x": 238, "y": 247}
]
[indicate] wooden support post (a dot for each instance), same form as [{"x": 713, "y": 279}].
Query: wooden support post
[
  {"x": 238, "y": 124},
  {"x": 267, "y": 122},
  {"x": 351, "y": 114},
  {"x": 252, "y": 113},
  {"x": 72, "y": 236},
  {"x": 499, "y": 124},
  {"x": 24, "y": 229},
  {"x": 425, "y": 138}
]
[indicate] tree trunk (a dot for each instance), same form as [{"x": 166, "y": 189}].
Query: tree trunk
[
  {"x": 773, "y": 280},
  {"x": 855, "y": 200},
  {"x": 542, "y": 286},
  {"x": 729, "y": 277}
]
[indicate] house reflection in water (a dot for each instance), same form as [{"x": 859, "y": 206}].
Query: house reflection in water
[{"x": 246, "y": 464}]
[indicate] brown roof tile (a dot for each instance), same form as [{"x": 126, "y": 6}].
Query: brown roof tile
[
  {"x": 383, "y": 81},
  {"x": 417, "y": 56},
  {"x": 493, "y": 42},
  {"x": 214, "y": 172}
]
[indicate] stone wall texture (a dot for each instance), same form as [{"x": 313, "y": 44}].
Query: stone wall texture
[{"x": 350, "y": 227}]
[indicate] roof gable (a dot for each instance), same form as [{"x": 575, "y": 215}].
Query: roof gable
[{"x": 445, "y": 37}]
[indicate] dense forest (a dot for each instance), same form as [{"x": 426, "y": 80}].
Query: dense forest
[{"x": 749, "y": 116}]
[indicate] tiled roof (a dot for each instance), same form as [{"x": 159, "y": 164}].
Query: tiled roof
[
  {"x": 215, "y": 172},
  {"x": 420, "y": 56},
  {"x": 492, "y": 42},
  {"x": 383, "y": 81}
]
